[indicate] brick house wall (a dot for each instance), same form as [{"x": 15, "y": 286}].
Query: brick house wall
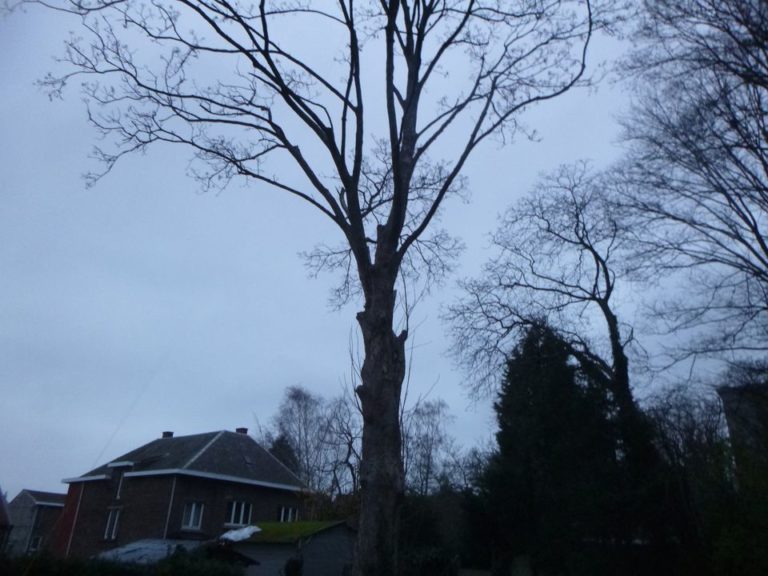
[
  {"x": 746, "y": 411},
  {"x": 22, "y": 511},
  {"x": 87, "y": 532},
  {"x": 63, "y": 531},
  {"x": 215, "y": 496},
  {"x": 153, "y": 507},
  {"x": 45, "y": 524},
  {"x": 33, "y": 525}
]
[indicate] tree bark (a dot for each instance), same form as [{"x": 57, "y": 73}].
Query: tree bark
[
  {"x": 620, "y": 368},
  {"x": 381, "y": 470},
  {"x": 642, "y": 480}
]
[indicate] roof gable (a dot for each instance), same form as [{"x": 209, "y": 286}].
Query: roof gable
[
  {"x": 47, "y": 498},
  {"x": 235, "y": 454}
]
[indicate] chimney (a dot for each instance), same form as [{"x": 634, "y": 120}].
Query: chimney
[
  {"x": 167, "y": 434},
  {"x": 241, "y": 430}
]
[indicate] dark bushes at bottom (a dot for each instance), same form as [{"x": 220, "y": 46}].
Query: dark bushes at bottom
[{"x": 181, "y": 563}]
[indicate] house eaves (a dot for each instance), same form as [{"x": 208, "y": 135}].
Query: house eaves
[
  {"x": 213, "y": 476},
  {"x": 51, "y": 504},
  {"x": 120, "y": 464},
  {"x": 85, "y": 478}
]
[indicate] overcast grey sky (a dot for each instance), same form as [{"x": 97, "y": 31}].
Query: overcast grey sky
[{"x": 141, "y": 305}]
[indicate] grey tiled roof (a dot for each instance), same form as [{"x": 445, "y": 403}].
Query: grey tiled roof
[
  {"x": 221, "y": 453},
  {"x": 47, "y": 497}
]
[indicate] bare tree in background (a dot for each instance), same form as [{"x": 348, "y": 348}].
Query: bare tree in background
[
  {"x": 695, "y": 184},
  {"x": 373, "y": 131},
  {"x": 691, "y": 435},
  {"x": 426, "y": 445},
  {"x": 346, "y": 441},
  {"x": 304, "y": 421},
  {"x": 318, "y": 438},
  {"x": 559, "y": 258}
]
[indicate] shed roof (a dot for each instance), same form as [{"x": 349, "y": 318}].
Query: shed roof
[
  {"x": 289, "y": 532},
  {"x": 222, "y": 455}
]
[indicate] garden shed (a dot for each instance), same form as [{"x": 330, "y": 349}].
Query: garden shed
[{"x": 323, "y": 548}]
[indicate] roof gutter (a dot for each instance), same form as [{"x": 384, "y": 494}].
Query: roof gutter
[
  {"x": 51, "y": 504},
  {"x": 85, "y": 478},
  {"x": 213, "y": 476}
]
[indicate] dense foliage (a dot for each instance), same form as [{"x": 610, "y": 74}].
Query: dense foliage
[
  {"x": 559, "y": 497},
  {"x": 555, "y": 481}
]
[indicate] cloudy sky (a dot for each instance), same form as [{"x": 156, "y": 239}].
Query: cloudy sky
[{"x": 141, "y": 305}]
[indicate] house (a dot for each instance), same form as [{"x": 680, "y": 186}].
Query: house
[
  {"x": 34, "y": 516},
  {"x": 746, "y": 411},
  {"x": 5, "y": 522},
  {"x": 177, "y": 488},
  {"x": 322, "y": 548}
]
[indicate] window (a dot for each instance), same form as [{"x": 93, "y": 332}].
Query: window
[
  {"x": 113, "y": 520},
  {"x": 238, "y": 513},
  {"x": 119, "y": 486},
  {"x": 34, "y": 544},
  {"x": 193, "y": 516},
  {"x": 288, "y": 514}
]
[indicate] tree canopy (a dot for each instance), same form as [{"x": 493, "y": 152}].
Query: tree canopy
[
  {"x": 693, "y": 189},
  {"x": 373, "y": 132}
]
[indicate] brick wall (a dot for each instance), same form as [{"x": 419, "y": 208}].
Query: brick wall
[
  {"x": 147, "y": 511},
  {"x": 22, "y": 512},
  {"x": 66, "y": 520},
  {"x": 215, "y": 495},
  {"x": 47, "y": 520}
]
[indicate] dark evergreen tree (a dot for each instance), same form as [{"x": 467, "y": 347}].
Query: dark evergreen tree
[
  {"x": 553, "y": 486},
  {"x": 281, "y": 449}
]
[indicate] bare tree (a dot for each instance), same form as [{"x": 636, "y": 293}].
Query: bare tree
[
  {"x": 559, "y": 256},
  {"x": 465, "y": 467},
  {"x": 373, "y": 132},
  {"x": 319, "y": 439},
  {"x": 426, "y": 444},
  {"x": 556, "y": 253},
  {"x": 304, "y": 421},
  {"x": 346, "y": 441},
  {"x": 690, "y": 432},
  {"x": 695, "y": 184}
]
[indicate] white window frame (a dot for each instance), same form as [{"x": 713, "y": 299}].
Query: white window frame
[
  {"x": 113, "y": 524},
  {"x": 289, "y": 514},
  {"x": 238, "y": 513},
  {"x": 192, "y": 516},
  {"x": 119, "y": 486}
]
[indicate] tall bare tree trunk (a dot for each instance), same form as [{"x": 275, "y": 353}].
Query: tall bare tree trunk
[
  {"x": 381, "y": 472},
  {"x": 635, "y": 431},
  {"x": 634, "y": 426}
]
